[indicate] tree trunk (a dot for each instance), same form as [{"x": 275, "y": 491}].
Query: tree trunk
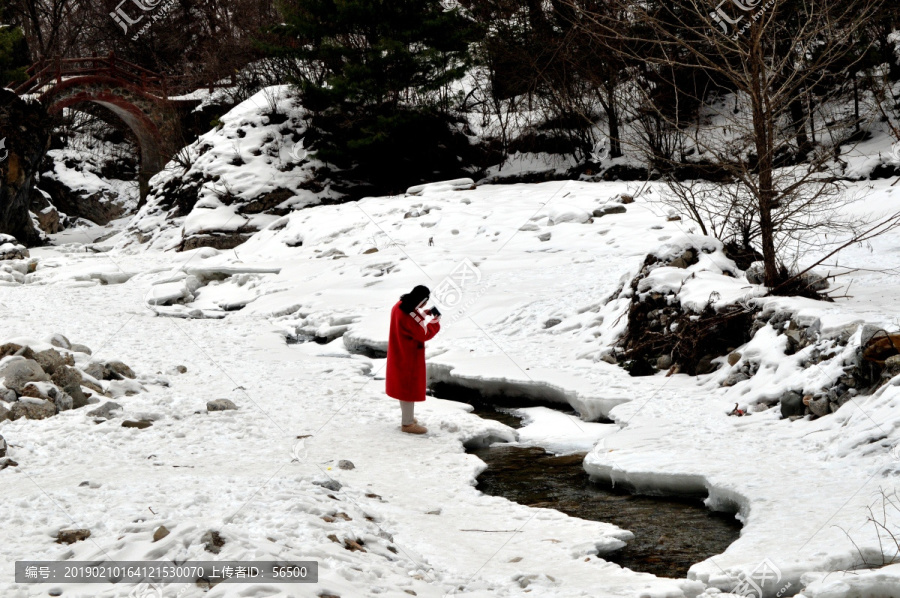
[
  {"x": 26, "y": 130},
  {"x": 811, "y": 110},
  {"x": 612, "y": 118},
  {"x": 763, "y": 133},
  {"x": 798, "y": 116}
]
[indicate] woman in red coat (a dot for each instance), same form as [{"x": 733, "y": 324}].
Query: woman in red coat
[{"x": 405, "y": 378}]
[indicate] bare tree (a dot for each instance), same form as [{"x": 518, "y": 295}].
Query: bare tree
[
  {"x": 769, "y": 58},
  {"x": 51, "y": 27}
]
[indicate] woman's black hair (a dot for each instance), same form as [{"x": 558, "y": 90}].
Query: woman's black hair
[{"x": 412, "y": 299}]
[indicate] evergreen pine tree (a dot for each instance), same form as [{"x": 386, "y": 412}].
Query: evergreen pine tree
[
  {"x": 377, "y": 76},
  {"x": 13, "y": 53}
]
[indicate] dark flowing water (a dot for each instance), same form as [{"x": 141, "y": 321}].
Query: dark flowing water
[{"x": 671, "y": 533}]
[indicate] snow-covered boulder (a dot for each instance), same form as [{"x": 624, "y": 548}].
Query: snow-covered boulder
[
  {"x": 173, "y": 290},
  {"x": 563, "y": 213},
  {"x": 11, "y": 249}
]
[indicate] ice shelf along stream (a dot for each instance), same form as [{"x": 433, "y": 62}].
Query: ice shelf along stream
[{"x": 671, "y": 533}]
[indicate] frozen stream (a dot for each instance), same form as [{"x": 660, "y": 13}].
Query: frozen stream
[{"x": 671, "y": 533}]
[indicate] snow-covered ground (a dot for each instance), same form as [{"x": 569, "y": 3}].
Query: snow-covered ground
[{"x": 534, "y": 308}]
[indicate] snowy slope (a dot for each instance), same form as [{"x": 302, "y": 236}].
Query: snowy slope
[{"x": 233, "y": 179}]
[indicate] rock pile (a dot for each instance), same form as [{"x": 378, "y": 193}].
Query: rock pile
[
  {"x": 863, "y": 371},
  {"x": 38, "y": 381},
  {"x": 661, "y": 335}
]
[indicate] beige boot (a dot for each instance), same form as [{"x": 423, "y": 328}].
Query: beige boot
[{"x": 414, "y": 429}]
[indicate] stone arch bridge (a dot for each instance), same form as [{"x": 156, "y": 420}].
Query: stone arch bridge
[{"x": 140, "y": 98}]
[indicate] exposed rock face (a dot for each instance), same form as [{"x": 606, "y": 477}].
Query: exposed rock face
[
  {"x": 657, "y": 326},
  {"x": 98, "y": 207},
  {"x": 819, "y": 406},
  {"x": 40, "y": 384},
  {"x": 659, "y": 331},
  {"x": 46, "y": 213},
  {"x": 69, "y": 379},
  {"x": 609, "y": 209},
  {"x": 255, "y": 185},
  {"x": 161, "y": 532},
  {"x": 12, "y": 349},
  {"x": 792, "y": 404},
  {"x": 58, "y": 340},
  {"x": 97, "y": 370},
  {"x": 25, "y": 127},
  {"x": 51, "y": 360},
  {"x": 65, "y": 377}
]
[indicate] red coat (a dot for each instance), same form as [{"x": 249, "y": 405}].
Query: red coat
[{"x": 405, "y": 378}]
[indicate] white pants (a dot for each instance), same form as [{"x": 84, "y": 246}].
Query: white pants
[{"x": 406, "y": 409}]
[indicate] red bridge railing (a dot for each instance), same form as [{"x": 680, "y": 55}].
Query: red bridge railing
[{"x": 51, "y": 72}]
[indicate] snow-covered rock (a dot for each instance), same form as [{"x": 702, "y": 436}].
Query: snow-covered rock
[
  {"x": 10, "y": 249},
  {"x": 561, "y": 213}
]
